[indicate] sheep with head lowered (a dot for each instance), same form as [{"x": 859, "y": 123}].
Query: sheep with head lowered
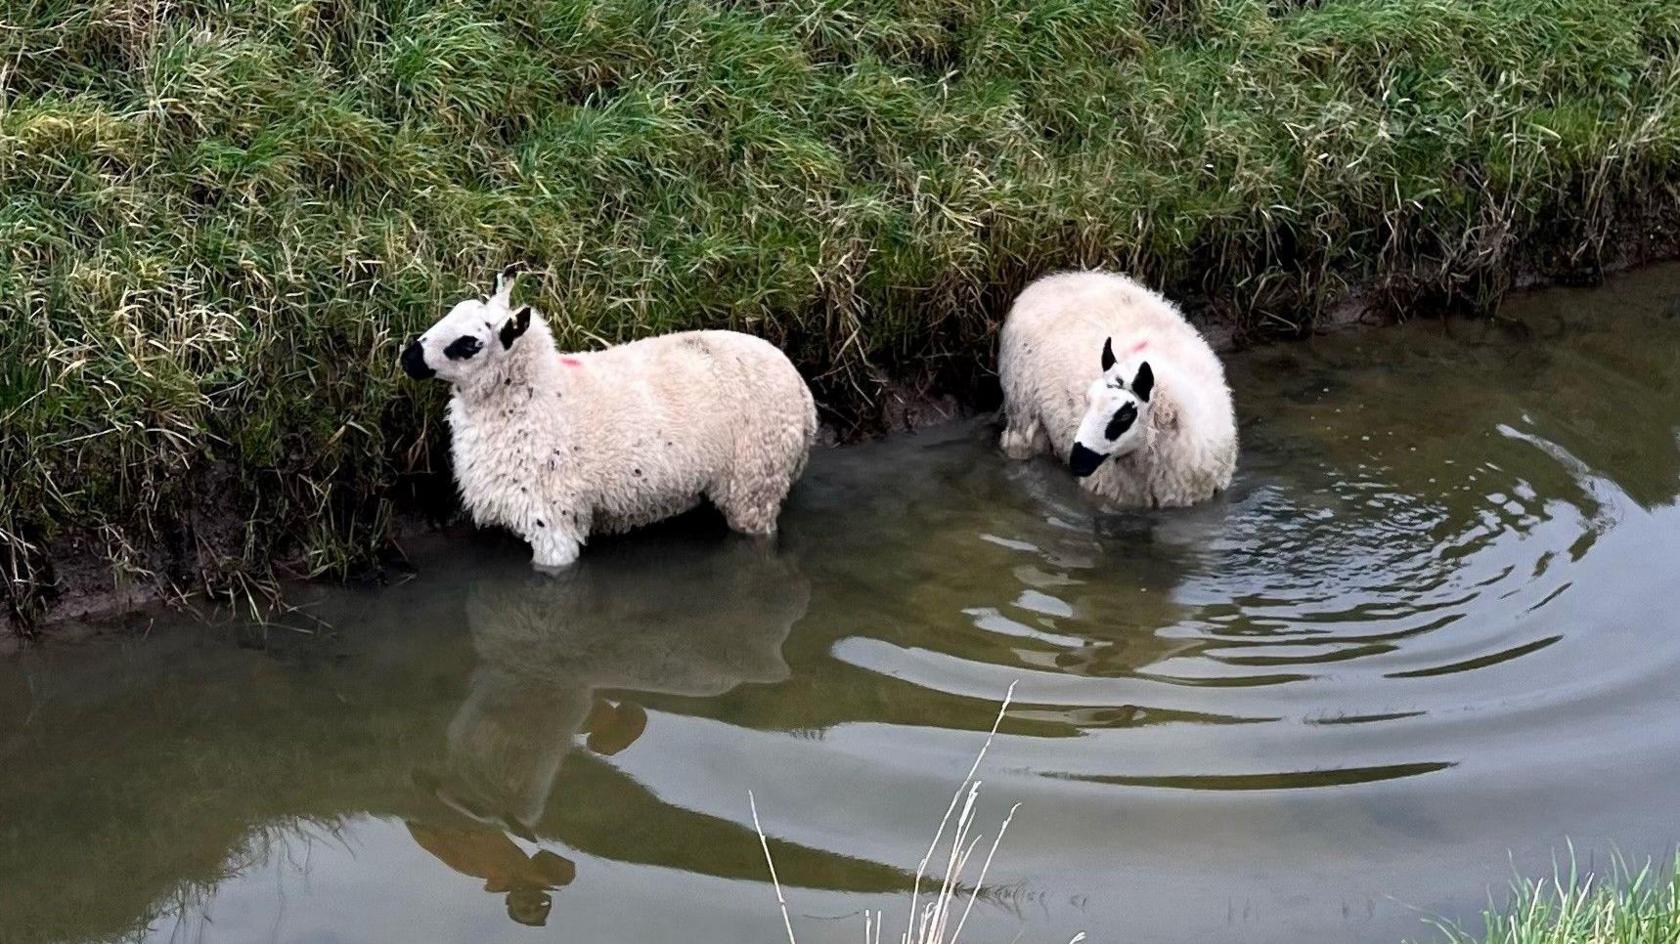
[
  {"x": 557, "y": 447},
  {"x": 1153, "y": 427}
]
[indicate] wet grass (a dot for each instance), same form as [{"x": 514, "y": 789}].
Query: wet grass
[
  {"x": 1623, "y": 906},
  {"x": 221, "y": 215}
]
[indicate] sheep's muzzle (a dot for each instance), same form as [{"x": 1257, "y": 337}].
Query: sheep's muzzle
[
  {"x": 414, "y": 362},
  {"x": 1084, "y": 461}
]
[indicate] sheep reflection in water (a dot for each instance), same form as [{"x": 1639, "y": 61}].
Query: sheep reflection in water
[
  {"x": 488, "y": 854},
  {"x": 550, "y": 648}
]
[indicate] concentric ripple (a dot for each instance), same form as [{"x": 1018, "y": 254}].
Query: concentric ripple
[{"x": 1367, "y": 573}]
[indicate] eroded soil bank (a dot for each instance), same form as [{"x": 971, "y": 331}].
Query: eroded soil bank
[{"x": 85, "y": 591}]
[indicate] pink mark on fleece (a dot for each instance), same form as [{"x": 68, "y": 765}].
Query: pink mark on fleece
[
  {"x": 1138, "y": 348},
  {"x": 571, "y": 362}
]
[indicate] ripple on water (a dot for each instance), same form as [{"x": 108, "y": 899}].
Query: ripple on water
[
  {"x": 1431, "y": 622},
  {"x": 1363, "y": 574}
]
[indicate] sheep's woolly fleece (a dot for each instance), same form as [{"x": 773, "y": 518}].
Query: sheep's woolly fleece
[
  {"x": 1077, "y": 343},
  {"x": 557, "y": 447}
]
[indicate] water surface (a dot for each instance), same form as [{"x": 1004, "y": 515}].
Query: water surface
[{"x": 1428, "y": 638}]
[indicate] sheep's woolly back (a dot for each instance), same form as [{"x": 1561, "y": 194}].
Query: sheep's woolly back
[
  {"x": 558, "y": 446},
  {"x": 1050, "y": 353}
]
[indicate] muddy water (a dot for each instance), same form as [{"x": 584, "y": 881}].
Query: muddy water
[{"x": 1430, "y": 636}]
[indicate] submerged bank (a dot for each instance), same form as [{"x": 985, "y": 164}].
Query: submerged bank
[{"x": 223, "y": 218}]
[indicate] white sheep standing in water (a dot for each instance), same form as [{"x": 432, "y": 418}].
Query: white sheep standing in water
[
  {"x": 557, "y": 447},
  {"x": 1154, "y": 427}
]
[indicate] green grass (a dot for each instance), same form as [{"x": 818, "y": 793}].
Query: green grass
[
  {"x": 218, "y": 217},
  {"x": 1621, "y": 907}
]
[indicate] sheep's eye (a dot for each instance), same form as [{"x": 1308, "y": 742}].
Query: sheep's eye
[
  {"x": 462, "y": 348},
  {"x": 1122, "y": 421}
]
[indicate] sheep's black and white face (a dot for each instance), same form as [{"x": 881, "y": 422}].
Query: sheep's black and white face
[
  {"x": 475, "y": 333},
  {"x": 1116, "y": 412}
]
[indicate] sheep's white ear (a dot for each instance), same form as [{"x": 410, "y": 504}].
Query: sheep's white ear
[
  {"x": 504, "y": 284},
  {"x": 1108, "y": 354},
  {"x": 1144, "y": 382},
  {"x": 515, "y": 326}
]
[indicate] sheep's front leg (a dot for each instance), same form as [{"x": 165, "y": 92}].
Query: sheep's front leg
[
  {"x": 552, "y": 549},
  {"x": 1023, "y": 439},
  {"x": 552, "y": 554}
]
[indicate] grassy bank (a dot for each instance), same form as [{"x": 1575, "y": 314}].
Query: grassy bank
[
  {"x": 219, "y": 216},
  {"x": 1620, "y": 907}
]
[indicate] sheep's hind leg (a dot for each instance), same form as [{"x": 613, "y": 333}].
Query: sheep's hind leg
[
  {"x": 750, "y": 504},
  {"x": 751, "y": 516}
]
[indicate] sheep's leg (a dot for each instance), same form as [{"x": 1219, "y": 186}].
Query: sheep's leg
[
  {"x": 1022, "y": 439},
  {"x": 752, "y": 498},
  {"x": 553, "y": 551},
  {"x": 751, "y": 511}
]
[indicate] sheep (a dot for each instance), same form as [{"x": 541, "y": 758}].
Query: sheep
[
  {"x": 1153, "y": 428},
  {"x": 557, "y": 447}
]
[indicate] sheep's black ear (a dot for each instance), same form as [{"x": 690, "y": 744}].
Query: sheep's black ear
[
  {"x": 1143, "y": 382},
  {"x": 509, "y": 272},
  {"x": 515, "y": 326},
  {"x": 1108, "y": 354},
  {"x": 504, "y": 283}
]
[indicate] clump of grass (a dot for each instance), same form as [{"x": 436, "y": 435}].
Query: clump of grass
[
  {"x": 222, "y": 216},
  {"x": 929, "y": 922},
  {"x": 1622, "y": 906}
]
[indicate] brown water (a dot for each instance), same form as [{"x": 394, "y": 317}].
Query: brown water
[{"x": 1427, "y": 640}]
